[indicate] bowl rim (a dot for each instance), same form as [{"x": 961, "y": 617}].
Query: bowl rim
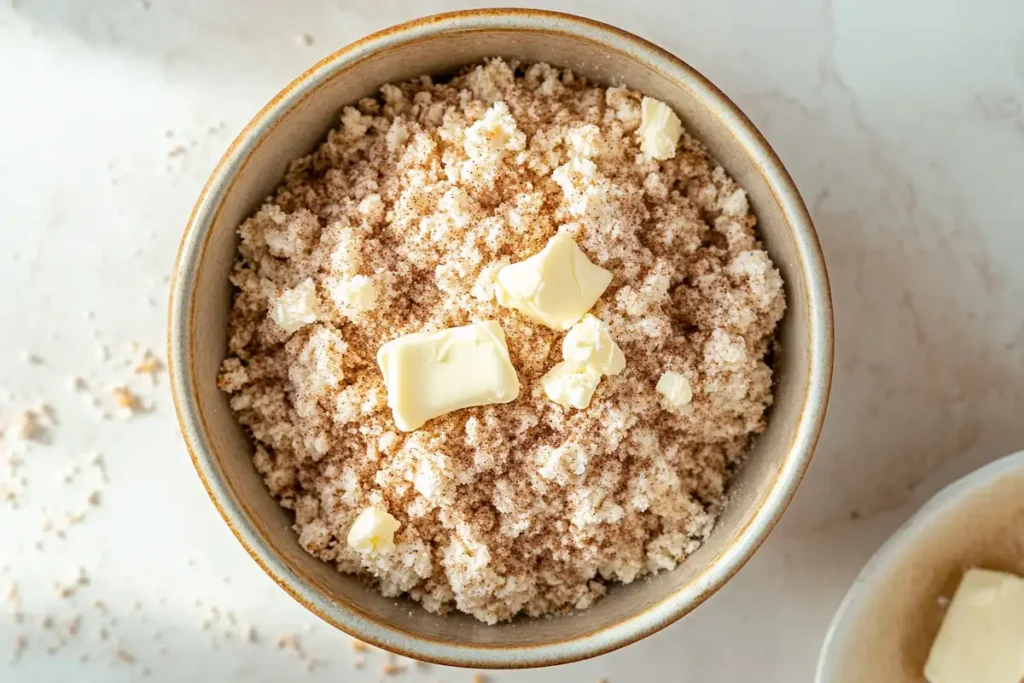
[
  {"x": 635, "y": 626},
  {"x": 892, "y": 552}
]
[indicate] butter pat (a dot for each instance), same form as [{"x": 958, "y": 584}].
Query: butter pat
[
  {"x": 659, "y": 130},
  {"x": 982, "y": 636},
  {"x": 675, "y": 388},
  {"x": 296, "y": 307},
  {"x": 590, "y": 344},
  {"x": 569, "y": 386},
  {"x": 555, "y": 286},
  {"x": 373, "y": 530},
  {"x": 428, "y": 374}
]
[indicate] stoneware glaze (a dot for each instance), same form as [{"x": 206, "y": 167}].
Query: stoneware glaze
[
  {"x": 886, "y": 624},
  {"x": 290, "y": 126}
]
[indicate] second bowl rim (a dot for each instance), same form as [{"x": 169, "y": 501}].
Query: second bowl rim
[{"x": 773, "y": 503}]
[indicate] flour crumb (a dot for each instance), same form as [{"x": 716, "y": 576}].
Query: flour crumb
[
  {"x": 28, "y": 426},
  {"x": 391, "y": 669},
  {"x": 149, "y": 365},
  {"x": 30, "y": 358},
  {"x": 75, "y": 384}
]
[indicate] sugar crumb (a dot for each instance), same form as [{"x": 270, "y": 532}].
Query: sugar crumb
[
  {"x": 391, "y": 669},
  {"x": 75, "y": 384},
  {"x": 126, "y": 399},
  {"x": 149, "y": 365},
  {"x": 28, "y": 426}
]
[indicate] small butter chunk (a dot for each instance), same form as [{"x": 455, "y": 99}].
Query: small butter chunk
[
  {"x": 373, "y": 530},
  {"x": 659, "y": 130},
  {"x": 569, "y": 386},
  {"x": 588, "y": 353},
  {"x": 590, "y": 344},
  {"x": 296, "y": 307},
  {"x": 675, "y": 388},
  {"x": 982, "y": 636},
  {"x": 555, "y": 286},
  {"x": 353, "y": 294},
  {"x": 428, "y": 374}
]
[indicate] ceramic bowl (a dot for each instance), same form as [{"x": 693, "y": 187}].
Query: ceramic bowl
[
  {"x": 886, "y": 624},
  {"x": 290, "y": 126}
]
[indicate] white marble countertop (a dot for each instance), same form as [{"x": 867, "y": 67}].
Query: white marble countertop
[{"x": 902, "y": 123}]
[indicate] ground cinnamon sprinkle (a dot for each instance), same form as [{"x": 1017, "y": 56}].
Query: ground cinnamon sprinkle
[{"x": 398, "y": 224}]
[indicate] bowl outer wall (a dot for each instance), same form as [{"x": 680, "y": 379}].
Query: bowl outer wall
[{"x": 253, "y": 165}]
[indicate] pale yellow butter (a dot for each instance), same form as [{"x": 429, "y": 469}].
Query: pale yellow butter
[
  {"x": 588, "y": 353},
  {"x": 555, "y": 286},
  {"x": 589, "y": 344},
  {"x": 659, "y": 129},
  {"x": 570, "y": 386},
  {"x": 373, "y": 530},
  {"x": 428, "y": 374},
  {"x": 675, "y": 388},
  {"x": 982, "y": 636}
]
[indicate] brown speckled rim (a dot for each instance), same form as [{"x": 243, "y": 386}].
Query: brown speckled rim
[{"x": 719, "y": 570}]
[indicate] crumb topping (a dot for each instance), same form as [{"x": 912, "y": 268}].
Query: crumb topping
[{"x": 399, "y": 223}]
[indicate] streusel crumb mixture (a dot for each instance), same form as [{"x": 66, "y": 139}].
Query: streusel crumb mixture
[{"x": 426, "y": 192}]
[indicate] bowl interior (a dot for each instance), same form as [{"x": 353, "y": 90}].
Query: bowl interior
[
  {"x": 295, "y": 124},
  {"x": 886, "y": 626}
]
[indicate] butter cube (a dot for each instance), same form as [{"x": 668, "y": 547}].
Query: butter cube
[
  {"x": 555, "y": 286},
  {"x": 570, "y": 386},
  {"x": 659, "y": 129},
  {"x": 296, "y": 307},
  {"x": 428, "y": 374},
  {"x": 982, "y": 637},
  {"x": 590, "y": 344},
  {"x": 373, "y": 530},
  {"x": 675, "y": 388}
]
